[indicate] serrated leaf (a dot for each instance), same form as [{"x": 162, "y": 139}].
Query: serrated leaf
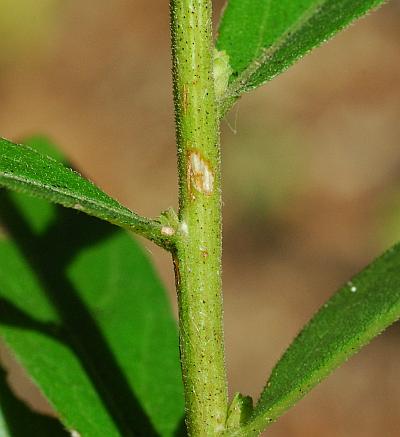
[
  {"x": 357, "y": 313},
  {"x": 84, "y": 313},
  {"x": 26, "y": 170},
  {"x": 264, "y": 37},
  {"x": 18, "y": 420}
]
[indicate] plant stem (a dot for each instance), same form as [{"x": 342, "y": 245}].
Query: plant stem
[{"x": 197, "y": 256}]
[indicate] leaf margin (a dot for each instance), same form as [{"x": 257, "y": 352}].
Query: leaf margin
[
  {"x": 104, "y": 207},
  {"x": 240, "y": 84},
  {"x": 264, "y": 416}
]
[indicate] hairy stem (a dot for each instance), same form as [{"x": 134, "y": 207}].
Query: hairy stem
[{"x": 197, "y": 256}]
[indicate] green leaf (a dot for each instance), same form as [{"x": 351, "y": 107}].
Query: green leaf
[
  {"x": 264, "y": 37},
  {"x": 92, "y": 328},
  {"x": 39, "y": 213},
  {"x": 239, "y": 411},
  {"x": 362, "y": 309},
  {"x": 18, "y": 420},
  {"x": 85, "y": 314},
  {"x": 26, "y": 170}
]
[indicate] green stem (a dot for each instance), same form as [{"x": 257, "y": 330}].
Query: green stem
[{"x": 197, "y": 255}]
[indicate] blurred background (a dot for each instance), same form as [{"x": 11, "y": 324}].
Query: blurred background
[{"x": 311, "y": 176}]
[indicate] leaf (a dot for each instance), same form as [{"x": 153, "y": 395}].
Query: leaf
[
  {"x": 239, "y": 411},
  {"x": 39, "y": 213},
  {"x": 95, "y": 333},
  {"x": 84, "y": 313},
  {"x": 349, "y": 320},
  {"x": 18, "y": 420},
  {"x": 264, "y": 37},
  {"x": 26, "y": 170}
]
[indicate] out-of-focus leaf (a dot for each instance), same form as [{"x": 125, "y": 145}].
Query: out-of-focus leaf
[
  {"x": 18, "y": 420},
  {"x": 84, "y": 313},
  {"x": 26, "y": 170},
  {"x": 357, "y": 313},
  {"x": 264, "y": 37}
]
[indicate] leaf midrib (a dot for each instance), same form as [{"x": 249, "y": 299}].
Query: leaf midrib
[
  {"x": 106, "y": 207},
  {"x": 235, "y": 87},
  {"x": 262, "y": 26}
]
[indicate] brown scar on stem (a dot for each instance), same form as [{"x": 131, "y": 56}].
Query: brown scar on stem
[
  {"x": 199, "y": 174},
  {"x": 176, "y": 271},
  {"x": 204, "y": 252}
]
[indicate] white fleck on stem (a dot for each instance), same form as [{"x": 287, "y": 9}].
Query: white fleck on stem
[{"x": 201, "y": 176}]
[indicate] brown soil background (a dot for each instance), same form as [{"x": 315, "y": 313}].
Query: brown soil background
[{"x": 311, "y": 175}]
